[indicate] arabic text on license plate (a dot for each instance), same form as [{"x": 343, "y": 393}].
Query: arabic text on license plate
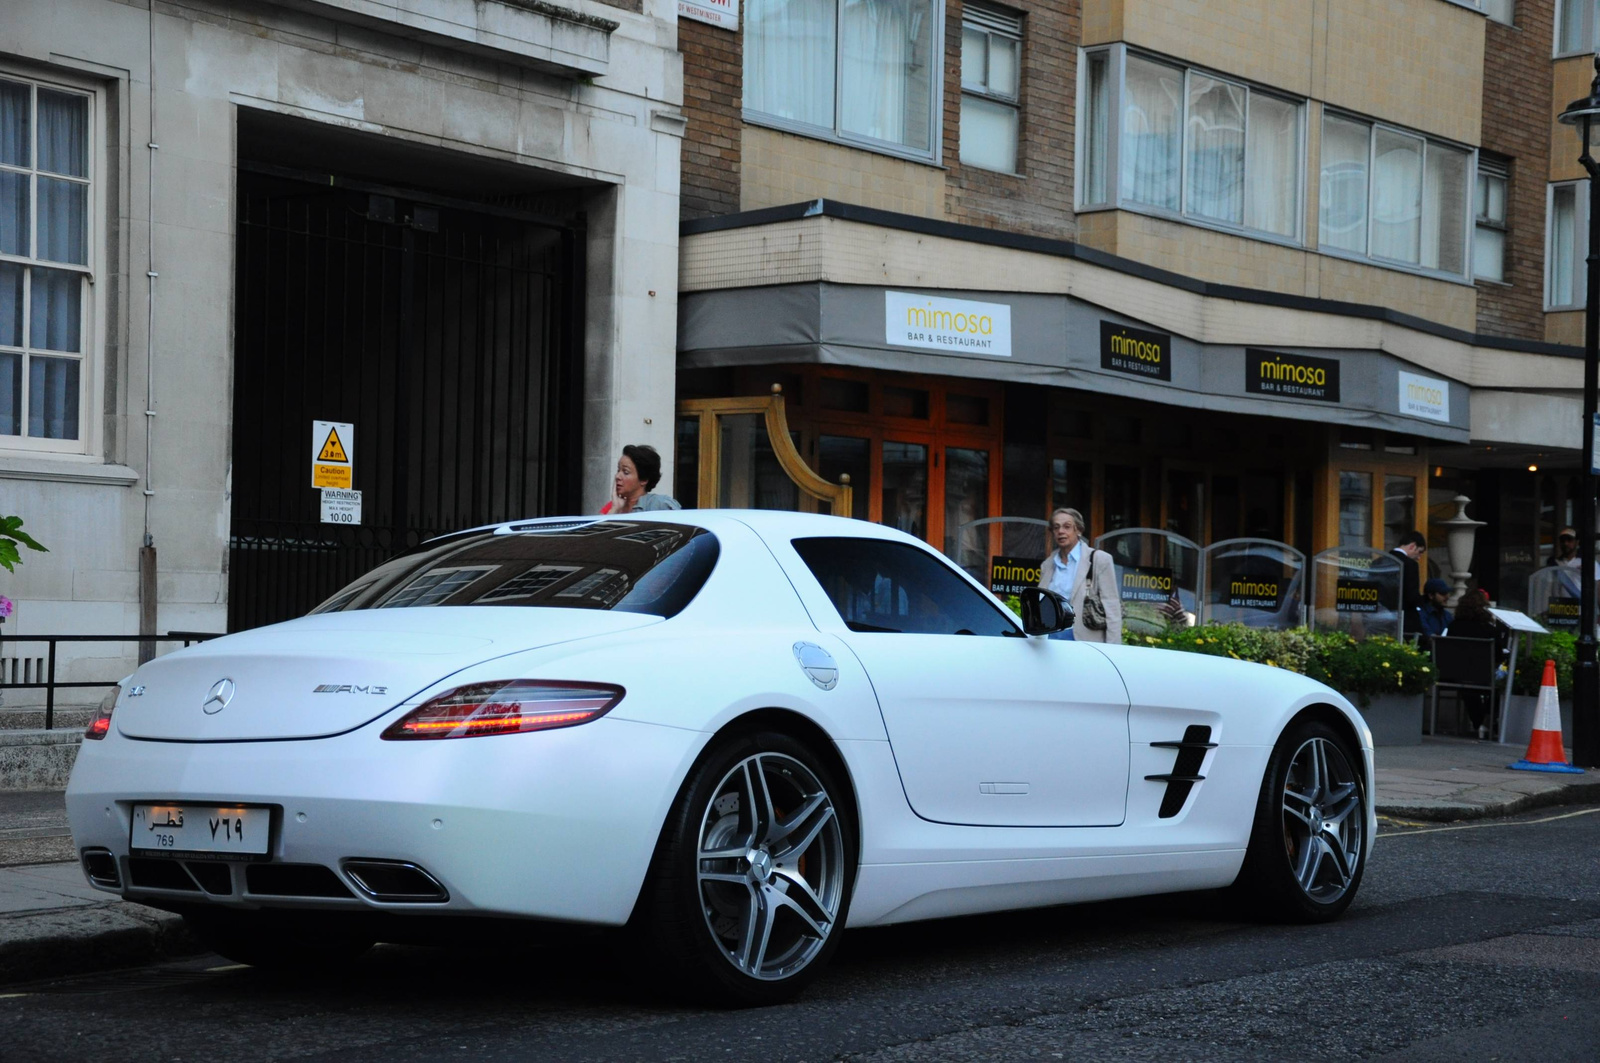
[{"x": 200, "y": 829}]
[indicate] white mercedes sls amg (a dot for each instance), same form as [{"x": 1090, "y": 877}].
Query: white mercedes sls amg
[{"x": 733, "y": 733}]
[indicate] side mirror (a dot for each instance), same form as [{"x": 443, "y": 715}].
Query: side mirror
[{"x": 1044, "y": 612}]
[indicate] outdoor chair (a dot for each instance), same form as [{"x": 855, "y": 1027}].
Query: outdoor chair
[{"x": 1459, "y": 665}]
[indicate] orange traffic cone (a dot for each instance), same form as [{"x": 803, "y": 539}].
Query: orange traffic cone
[{"x": 1545, "y": 752}]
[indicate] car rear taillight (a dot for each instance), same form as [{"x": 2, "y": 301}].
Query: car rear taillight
[
  {"x": 506, "y": 707},
  {"x": 102, "y": 719}
]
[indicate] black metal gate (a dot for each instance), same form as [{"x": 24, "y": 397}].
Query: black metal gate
[{"x": 448, "y": 334}]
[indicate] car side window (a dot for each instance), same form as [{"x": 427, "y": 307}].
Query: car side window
[{"x": 879, "y": 585}]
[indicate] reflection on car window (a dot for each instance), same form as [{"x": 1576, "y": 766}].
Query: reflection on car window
[
  {"x": 879, "y": 585},
  {"x": 628, "y": 566}
]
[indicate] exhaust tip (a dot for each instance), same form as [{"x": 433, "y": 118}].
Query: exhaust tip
[
  {"x": 101, "y": 868},
  {"x": 395, "y": 881}
]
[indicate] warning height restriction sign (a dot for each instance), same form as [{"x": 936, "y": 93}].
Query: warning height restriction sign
[{"x": 333, "y": 453}]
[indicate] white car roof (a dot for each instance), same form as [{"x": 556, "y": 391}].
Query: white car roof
[{"x": 767, "y": 523}]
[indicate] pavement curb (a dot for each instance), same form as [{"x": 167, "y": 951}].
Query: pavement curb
[
  {"x": 1575, "y": 793},
  {"x": 67, "y": 941}
]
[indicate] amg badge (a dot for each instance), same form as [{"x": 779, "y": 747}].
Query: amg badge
[{"x": 347, "y": 688}]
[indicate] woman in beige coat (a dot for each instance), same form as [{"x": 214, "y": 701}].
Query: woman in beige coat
[{"x": 1073, "y": 568}]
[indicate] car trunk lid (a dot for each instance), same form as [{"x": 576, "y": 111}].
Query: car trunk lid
[{"x": 324, "y": 675}]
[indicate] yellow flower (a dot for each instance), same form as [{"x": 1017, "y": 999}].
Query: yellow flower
[
  {"x": 1272, "y": 664},
  {"x": 1235, "y": 656},
  {"x": 1385, "y": 664},
  {"x": 1425, "y": 668}
]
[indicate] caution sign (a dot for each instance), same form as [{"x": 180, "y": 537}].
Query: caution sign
[{"x": 333, "y": 453}]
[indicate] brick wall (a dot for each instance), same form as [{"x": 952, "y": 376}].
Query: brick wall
[
  {"x": 1039, "y": 198},
  {"x": 1516, "y": 124},
  {"x": 713, "y": 72}
]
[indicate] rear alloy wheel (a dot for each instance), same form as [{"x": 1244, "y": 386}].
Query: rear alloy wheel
[
  {"x": 751, "y": 882},
  {"x": 1308, "y": 847}
]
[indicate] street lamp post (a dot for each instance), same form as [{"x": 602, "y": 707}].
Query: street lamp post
[{"x": 1586, "y": 678}]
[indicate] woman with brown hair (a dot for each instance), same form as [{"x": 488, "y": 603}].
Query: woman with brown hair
[
  {"x": 1474, "y": 621},
  {"x": 638, "y": 472}
]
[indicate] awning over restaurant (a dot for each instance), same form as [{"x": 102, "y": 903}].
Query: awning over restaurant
[{"x": 1061, "y": 341}]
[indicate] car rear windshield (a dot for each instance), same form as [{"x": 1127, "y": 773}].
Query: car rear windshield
[{"x": 629, "y": 566}]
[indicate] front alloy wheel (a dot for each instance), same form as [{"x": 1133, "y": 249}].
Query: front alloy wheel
[
  {"x": 751, "y": 881},
  {"x": 1309, "y": 841},
  {"x": 1324, "y": 823}
]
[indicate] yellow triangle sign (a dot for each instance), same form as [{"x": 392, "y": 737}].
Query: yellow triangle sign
[{"x": 333, "y": 449}]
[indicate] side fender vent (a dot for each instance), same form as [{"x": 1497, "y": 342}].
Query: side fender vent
[{"x": 1185, "y": 768}]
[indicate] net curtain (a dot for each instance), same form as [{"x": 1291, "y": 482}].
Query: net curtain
[
  {"x": 791, "y": 48},
  {"x": 54, "y": 296}
]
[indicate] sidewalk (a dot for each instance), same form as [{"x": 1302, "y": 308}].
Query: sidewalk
[
  {"x": 1447, "y": 779},
  {"x": 53, "y": 923}
]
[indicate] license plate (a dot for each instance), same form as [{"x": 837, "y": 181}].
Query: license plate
[{"x": 217, "y": 830}]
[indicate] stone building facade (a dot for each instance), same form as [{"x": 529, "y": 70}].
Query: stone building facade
[{"x": 452, "y": 227}]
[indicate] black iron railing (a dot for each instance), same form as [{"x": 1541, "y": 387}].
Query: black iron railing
[{"x": 50, "y": 684}]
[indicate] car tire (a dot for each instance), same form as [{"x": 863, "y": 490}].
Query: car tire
[
  {"x": 1308, "y": 845},
  {"x": 750, "y": 883},
  {"x": 286, "y": 945}
]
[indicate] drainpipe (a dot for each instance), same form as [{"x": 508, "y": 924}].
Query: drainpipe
[{"x": 148, "y": 600}]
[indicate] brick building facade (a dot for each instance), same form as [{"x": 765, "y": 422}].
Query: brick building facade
[
  {"x": 1516, "y": 127},
  {"x": 1150, "y": 192}
]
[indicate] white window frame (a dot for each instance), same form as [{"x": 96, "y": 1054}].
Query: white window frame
[
  {"x": 1468, "y": 216},
  {"x": 936, "y": 60},
  {"x": 90, "y": 357},
  {"x": 1586, "y": 38},
  {"x": 1115, "y": 80},
  {"x": 994, "y": 21},
  {"x": 1496, "y": 169},
  {"x": 1580, "y": 243}
]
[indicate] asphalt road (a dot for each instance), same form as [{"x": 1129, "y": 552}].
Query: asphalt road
[{"x": 1475, "y": 942}]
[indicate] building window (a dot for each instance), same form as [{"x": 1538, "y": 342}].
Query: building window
[
  {"x": 1500, "y": 10},
  {"x": 1190, "y": 143},
  {"x": 1566, "y": 245},
  {"x": 862, "y": 71},
  {"x": 1393, "y": 196},
  {"x": 991, "y": 54},
  {"x": 1575, "y": 26},
  {"x": 44, "y": 260},
  {"x": 1489, "y": 232}
]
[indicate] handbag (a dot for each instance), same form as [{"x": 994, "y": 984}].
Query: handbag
[{"x": 1093, "y": 613}]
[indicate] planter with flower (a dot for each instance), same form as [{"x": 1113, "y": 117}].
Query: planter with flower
[{"x": 1385, "y": 679}]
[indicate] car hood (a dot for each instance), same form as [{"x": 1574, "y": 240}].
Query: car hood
[{"x": 323, "y": 675}]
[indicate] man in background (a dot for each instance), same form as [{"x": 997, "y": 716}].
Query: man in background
[
  {"x": 1412, "y": 546},
  {"x": 1432, "y": 616}
]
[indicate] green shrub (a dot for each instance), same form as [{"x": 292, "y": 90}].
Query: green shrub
[
  {"x": 1558, "y": 646},
  {"x": 1374, "y": 666},
  {"x": 1362, "y": 669}
]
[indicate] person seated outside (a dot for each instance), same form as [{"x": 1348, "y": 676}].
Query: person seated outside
[
  {"x": 1432, "y": 616},
  {"x": 1473, "y": 621}
]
